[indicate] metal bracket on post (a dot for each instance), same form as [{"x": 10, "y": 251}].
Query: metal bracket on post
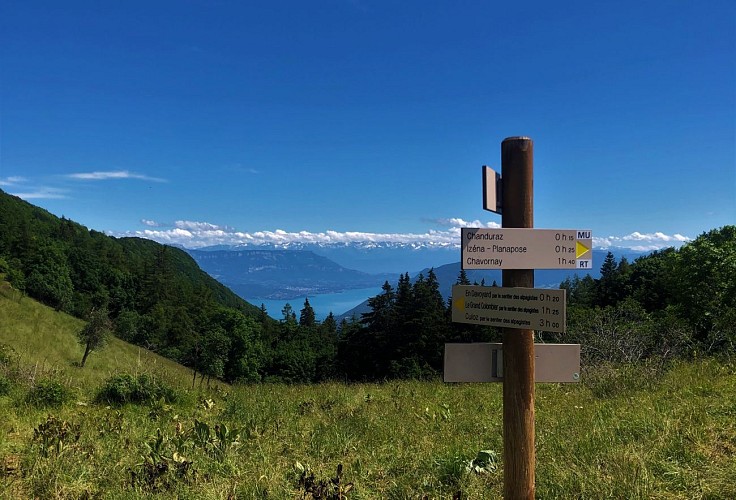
[
  {"x": 483, "y": 362},
  {"x": 497, "y": 363}
]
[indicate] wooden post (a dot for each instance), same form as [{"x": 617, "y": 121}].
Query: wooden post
[{"x": 517, "y": 169}]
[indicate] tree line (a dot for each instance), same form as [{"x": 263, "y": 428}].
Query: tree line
[{"x": 673, "y": 302}]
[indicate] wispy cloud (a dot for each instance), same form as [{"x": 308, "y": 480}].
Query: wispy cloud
[
  {"x": 197, "y": 234},
  {"x": 12, "y": 180},
  {"x": 240, "y": 168},
  {"x": 199, "y": 226},
  {"x": 153, "y": 223},
  {"x": 112, "y": 175},
  {"x": 42, "y": 193}
]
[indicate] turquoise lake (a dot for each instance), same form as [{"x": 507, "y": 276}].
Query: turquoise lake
[{"x": 322, "y": 304}]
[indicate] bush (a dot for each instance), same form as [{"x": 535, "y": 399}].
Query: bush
[
  {"x": 143, "y": 389},
  {"x": 6, "y": 355},
  {"x": 49, "y": 394},
  {"x": 5, "y": 385}
]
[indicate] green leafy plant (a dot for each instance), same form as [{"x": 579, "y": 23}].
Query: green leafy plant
[
  {"x": 161, "y": 468},
  {"x": 451, "y": 470},
  {"x": 226, "y": 439},
  {"x": 112, "y": 423},
  {"x": 201, "y": 434},
  {"x": 329, "y": 489},
  {"x": 160, "y": 409},
  {"x": 440, "y": 414},
  {"x": 56, "y": 436},
  {"x": 217, "y": 441}
]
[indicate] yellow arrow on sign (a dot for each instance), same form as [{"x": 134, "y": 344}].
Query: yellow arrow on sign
[
  {"x": 459, "y": 304},
  {"x": 580, "y": 250}
]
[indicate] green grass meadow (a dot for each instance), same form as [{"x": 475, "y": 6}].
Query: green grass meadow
[{"x": 645, "y": 431}]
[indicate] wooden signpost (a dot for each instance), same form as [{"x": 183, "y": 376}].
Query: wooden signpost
[{"x": 517, "y": 307}]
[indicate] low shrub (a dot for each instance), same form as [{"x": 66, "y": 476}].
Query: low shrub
[
  {"x": 49, "y": 394},
  {"x": 142, "y": 389},
  {"x": 5, "y": 385},
  {"x": 7, "y": 354}
]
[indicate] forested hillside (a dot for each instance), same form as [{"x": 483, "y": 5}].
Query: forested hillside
[
  {"x": 156, "y": 295},
  {"x": 666, "y": 304}
]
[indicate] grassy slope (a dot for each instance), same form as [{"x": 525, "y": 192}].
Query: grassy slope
[
  {"x": 46, "y": 343},
  {"x": 632, "y": 432}
]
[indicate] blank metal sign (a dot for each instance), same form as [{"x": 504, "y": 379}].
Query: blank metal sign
[{"x": 482, "y": 362}]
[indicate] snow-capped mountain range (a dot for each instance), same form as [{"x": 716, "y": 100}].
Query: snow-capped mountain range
[{"x": 298, "y": 269}]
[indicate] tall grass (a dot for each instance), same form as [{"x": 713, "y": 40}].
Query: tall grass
[
  {"x": 673, "y": 438},
  {"x": 642, "y": 431}
]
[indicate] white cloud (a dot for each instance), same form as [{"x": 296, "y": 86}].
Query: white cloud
[
  {"x": 642, "y": 241},
  {"x": 198, "y": 226},
  {"x": 200, "y": 234},
  {"x": 42, "y": 193},
  {"x": 197, "y": 234},
  {"x": 115, "y": 174}
]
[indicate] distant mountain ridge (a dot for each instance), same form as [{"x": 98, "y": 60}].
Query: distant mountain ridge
[
  {"x": 385, "y": 256},
  {"x": 367, "y": 257},
  {"x": 290, "y": 271},
  {"x": 282, "y": 274}
]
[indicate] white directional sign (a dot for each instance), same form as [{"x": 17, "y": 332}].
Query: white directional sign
[
  {"x": 514, "y": 248},
  {"x": 482, "y": 362},
  {"x": 524, "y": 308}
]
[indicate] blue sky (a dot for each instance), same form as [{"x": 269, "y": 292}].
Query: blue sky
[{"x": 206, "y": 122}]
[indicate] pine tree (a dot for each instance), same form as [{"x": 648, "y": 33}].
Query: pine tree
[
  {"x": 289, "y": 316},
  {"x": 462, "y": 278},
  {"x": 329, "y": 325},
  {"x": 379, "y": 317},
  {"x": 608, "y": 283},
  {"x": 306, "y": 315}
]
